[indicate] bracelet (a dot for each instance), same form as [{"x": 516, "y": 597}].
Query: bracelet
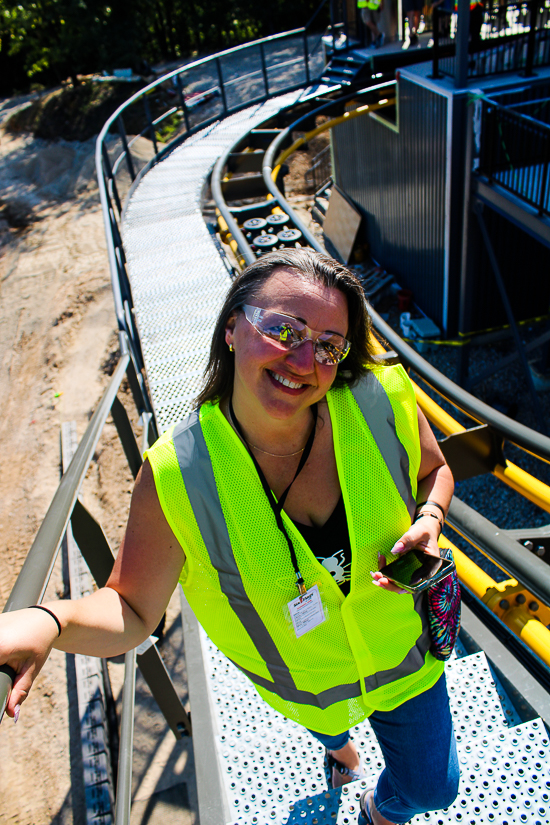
[
  {"x": 433, "y": 515},
  {"x": 54, "y": 617},
  {"x": 434, "y": 504}
]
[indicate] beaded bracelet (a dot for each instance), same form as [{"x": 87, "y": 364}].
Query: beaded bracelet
[{"x": 54, "y": 617}]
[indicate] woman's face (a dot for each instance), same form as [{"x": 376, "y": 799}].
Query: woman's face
[{"x": 260, "y": 364}]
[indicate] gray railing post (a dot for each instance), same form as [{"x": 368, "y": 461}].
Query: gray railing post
[
  {"x": 124, "y": 786},
  {"x": 306, "y": 58},
  {"x": 264, "y": 69},
  {"x": 35, "y": 573},
  {"x": 490, "y": 140},
  {"x": 220, "y": 79},
  {"x": 110, "y": 177},
  {"x": 435, "y": 49},
  {"x": 183, "y": 104},
  {"x": 543, "y": 207},
  {"x": 533, "y": 15},
  {"x": 150, "y": 123},
  {"x": 462, "y": 44},
  {"x": 345, "y": 21},
  {"x": 126, "y": 436},
  {"x": 127, "y": 154}
]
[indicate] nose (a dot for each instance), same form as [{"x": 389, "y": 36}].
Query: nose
[{"x": 302, "y": 358}]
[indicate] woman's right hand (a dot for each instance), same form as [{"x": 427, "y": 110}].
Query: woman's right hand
[{"x": 26, "y": 639}]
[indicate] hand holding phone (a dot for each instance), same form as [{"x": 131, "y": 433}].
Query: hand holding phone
[{"x": 417, "y": 570}]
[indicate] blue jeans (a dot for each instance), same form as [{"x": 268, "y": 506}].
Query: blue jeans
[{"x": 419, "y": 748}]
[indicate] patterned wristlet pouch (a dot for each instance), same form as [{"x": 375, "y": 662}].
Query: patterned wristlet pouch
[{"x": 444, "y": 614}]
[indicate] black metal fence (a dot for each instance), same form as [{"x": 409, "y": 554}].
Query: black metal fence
[
  {"x": 504, "y": 37},
  {"x": 515, "y": 153},
  {"x": 320, "y": 171}
]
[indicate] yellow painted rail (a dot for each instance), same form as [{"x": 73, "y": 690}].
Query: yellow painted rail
[
  {"x": 512, "y": 475},
  {"x": 329, "y": 124},
  {"x": 509, "y": 600}
]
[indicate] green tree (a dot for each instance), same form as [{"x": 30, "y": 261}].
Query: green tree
[{"x": 49, "y": 40}]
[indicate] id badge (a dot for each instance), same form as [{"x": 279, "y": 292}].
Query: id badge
[{"x": 307, "y": 611}]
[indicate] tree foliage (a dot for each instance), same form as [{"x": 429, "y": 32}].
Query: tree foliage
[{"x": 46, "y": 41}]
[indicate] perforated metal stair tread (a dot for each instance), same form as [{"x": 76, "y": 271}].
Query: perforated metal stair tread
[
  {"x": 273, "y": 770},
  {"x": 177, "y": 276}
]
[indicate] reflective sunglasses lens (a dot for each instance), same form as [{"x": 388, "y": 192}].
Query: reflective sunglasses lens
[
  {"x": 280, "y": 329},
  {"x": 330, "y": 353}
]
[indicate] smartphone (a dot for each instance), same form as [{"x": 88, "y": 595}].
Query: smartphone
[{"x": 417, "y": 570}]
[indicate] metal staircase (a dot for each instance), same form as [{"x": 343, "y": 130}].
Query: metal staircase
[
  {"x": 273, "y": 771},
  {"x": 343, "y": 69}
]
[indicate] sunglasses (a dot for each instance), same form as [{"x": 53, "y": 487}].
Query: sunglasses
[{"x": 288, "y": 333}]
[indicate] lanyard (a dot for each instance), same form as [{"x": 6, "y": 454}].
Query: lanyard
[{"x": 278, "y": 506}]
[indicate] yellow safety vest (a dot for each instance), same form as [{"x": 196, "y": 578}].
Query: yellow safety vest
[
  {"x": 372, "y": 652},
  {"x": 369, "y": 4}
]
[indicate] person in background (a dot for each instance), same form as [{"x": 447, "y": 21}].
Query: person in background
[
  {"x": 413, "y": 10},
  {"x": 370, "y": 15}
]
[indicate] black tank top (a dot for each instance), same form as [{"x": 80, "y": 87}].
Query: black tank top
[{"x": 330, "y": 545}]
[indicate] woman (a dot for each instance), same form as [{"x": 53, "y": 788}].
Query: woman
[{"x": 295, "y": 413}]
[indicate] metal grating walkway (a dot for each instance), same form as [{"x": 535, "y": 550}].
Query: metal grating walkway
[
  {"x": 273, "y": 770},
  {"x": 177, "y": 275}
]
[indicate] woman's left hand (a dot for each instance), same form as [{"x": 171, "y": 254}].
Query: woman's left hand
[{"x": 422, "y": 534}]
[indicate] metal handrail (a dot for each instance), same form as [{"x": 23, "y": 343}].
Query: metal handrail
[
  {"x": 123, "y": 802},
  {"x": 34, "y": 576},
  {"x": 518, "y": 434},
  {"x": 493, "y": 41},
  {"x": 527, "y": 146},
  {"x": 36, "y": 571},
  {"x": 507, "y": 553}
]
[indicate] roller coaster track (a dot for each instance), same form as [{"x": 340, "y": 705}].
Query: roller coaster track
[{"x": 231, "y": 120}]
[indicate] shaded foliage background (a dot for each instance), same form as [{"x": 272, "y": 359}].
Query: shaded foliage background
[{"x": 46, "y": 41}]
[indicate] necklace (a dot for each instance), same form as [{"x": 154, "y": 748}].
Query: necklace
[
  {"x": 275, "y": 455},
  {"x": 259, "y": 449}
]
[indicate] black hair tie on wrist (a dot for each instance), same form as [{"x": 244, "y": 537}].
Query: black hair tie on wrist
[
  {"x": 433, "y": 504},
  {"x": 47, "y": 610}
]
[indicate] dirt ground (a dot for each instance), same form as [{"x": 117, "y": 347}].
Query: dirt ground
[{"x": 57, "y": 342}]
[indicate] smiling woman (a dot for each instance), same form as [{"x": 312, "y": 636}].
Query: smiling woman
[{"x": 300, "y": 467}]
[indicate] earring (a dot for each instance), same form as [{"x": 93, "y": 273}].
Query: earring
[{"x": 231, "y": 348}]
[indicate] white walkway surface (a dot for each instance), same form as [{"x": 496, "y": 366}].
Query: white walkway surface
[{"x": 177, "y": 275}]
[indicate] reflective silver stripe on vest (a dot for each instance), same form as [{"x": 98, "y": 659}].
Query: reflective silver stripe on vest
[
  {"x": 322, "y": 700},
  {"x": 373, "y": 401},
  {"x": 415, "y": 658},
  {"x": 412, "y": 663},
  {"x": 200, "y": 484}
]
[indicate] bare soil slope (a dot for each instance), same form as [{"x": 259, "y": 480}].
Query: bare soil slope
[{"x": 57, "y": 340}]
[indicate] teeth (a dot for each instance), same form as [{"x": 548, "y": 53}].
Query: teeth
[{"x": 286, "y": 382}]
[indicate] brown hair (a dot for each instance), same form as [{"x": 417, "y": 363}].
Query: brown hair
[{"x": 219, "y": 373}]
